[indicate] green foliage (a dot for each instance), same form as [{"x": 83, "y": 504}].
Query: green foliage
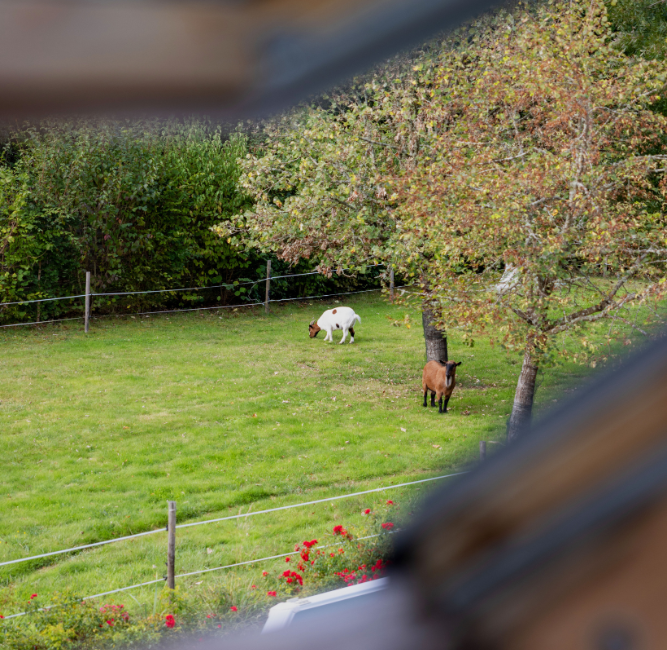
[
  {"x": 640, "y": 27},
  {"x": 131, "y": 203}
]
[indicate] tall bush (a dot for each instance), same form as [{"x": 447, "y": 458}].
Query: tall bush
[{"x": 131, "y": 203}]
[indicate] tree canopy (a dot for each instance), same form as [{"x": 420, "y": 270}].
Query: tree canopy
[{"x": 515, "y": 172}]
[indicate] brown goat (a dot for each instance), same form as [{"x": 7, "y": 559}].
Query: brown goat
[{"x": 440, "y": 378}]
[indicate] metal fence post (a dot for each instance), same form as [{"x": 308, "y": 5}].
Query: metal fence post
[
  {"x": 86, "y": 316},
  {"x": 268, "y": 286},
  {"x": 171, "y": 545}
]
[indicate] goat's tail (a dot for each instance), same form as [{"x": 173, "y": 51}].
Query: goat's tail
[{"x": 357, "y": 318}]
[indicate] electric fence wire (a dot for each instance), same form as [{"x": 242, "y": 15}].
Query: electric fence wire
[
  {"x": 184, "y": 575},
  {"x": 173, "y": 311},
  {"x": 228, "y": 285},
  {"x": 239, "y": 516}
]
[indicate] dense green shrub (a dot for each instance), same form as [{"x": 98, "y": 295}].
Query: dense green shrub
[{"x": 132, "y": 203}]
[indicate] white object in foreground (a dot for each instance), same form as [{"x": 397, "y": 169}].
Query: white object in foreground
[{"x": 284, "y": 614}]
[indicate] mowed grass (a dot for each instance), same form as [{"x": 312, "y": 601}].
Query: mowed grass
[{"x": 224, "y": 413}]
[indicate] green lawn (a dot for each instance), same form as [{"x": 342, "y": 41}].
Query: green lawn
[{"x": 224, "y": 413}]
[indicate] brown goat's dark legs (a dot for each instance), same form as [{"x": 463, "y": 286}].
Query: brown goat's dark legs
[
  {"x": 446, "y": 402},
  {"x": 425, "y": 394},
  {"x": 432, "y": 398},
  {"x": 440, "y": 405}
]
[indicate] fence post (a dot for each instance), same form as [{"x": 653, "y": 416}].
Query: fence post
[
  {"x": 171, "y": 548},
  {"x": 391, "y": 284},
  {"x": 86, "y": 315},
  {"x": 482, "y": 451},
  {"x": 268, "y": 286}
]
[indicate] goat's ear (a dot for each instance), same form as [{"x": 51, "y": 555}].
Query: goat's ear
[
  {"x": 459, "y": 363},
  {"x": 312, "y": 322}
]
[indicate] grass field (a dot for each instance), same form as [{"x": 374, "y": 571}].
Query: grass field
[{"x": 223, "y": 413}]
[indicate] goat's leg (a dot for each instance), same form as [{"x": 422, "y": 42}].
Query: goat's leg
[
  {"x": 432, "y": 398},
  {"x": 440, "y": 404},
  {"x": 425, "y": 394},
  {"x": 344, "y": 335},
  {"x": 329, "y": 336},
  {"x": 352, "y": 332},
  {"x": 446, "y": 402}
]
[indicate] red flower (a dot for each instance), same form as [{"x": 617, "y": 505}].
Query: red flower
[
  {"x": 209, "y": 615},
  {"x": 234, "y": 608},
  {"x": 390, "y": 503},
  {"x": 287, "y": 559},
  {"x": 332, "y": 555},
  {"x": 290, "y": 581},
  {"x": 367, "y": 511},
  {"x": 265, "y": 573},
  {"x": 253, "y": 586},
  {"x": 286, "y": 574},
  {"x": 310, "y": 544},
  {"x": 110, "y": 622},
  {"x": 169, "y": 621},
  {"x": 388, "y": 525},
  {"x": 33, "y": 596},
  {"x": 1, "y": 616},
  {"x": 271, "y": 593},
  {"x": 339, "y": 530},
  {"x": 219, "y": 625}
]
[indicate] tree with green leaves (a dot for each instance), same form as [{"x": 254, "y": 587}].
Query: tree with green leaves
[
  {"x": 539, "y": 199},
  {"x": 319, "y": 181},
  {"x": 515, "y": 174}
]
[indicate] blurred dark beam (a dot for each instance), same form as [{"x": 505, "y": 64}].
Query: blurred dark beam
[{"x": 235, "y": 56}]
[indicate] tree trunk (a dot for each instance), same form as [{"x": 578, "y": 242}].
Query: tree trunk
[
  {"x": 436, "y": 341},
  {"x": 522, "y": 410}
]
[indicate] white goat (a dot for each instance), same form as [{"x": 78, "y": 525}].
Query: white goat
[{"x": 341, "y": 318}]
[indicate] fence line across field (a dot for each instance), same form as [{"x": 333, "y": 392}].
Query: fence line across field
[
  {"x": 190, "y": 573},
  {"x": 230, "y": 517},
  {"x": 228, "y": 285},
  {"x": 174, "y": 311}
]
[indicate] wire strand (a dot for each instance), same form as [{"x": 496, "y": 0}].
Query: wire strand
[
  {"x": 184, "y": 575},
  {"x": 239, "y": 516},
  {"x": 134, "y": 293},
  {"x": 42, "y": 322}
]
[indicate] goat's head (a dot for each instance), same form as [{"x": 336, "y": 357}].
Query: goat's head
[
  {"x": 450, "y": 371},
  {"x": 313, "y": 329}
]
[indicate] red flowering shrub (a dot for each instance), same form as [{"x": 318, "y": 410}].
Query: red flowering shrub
[
  {"x": 169, "y": 621},
  {"x": 234, "y": 608},
  {"x": 271, "y": 593},
  {"x": 388, "y": 525}
]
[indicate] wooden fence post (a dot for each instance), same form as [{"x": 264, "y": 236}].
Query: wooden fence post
[
  {"x": 391, "y": 284},
  {"x": 86, "y": 315},
  {"x": 268, "y": 286},
  {"x": 482, "y": 451},
  {"x": 171, "y": 548}
]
